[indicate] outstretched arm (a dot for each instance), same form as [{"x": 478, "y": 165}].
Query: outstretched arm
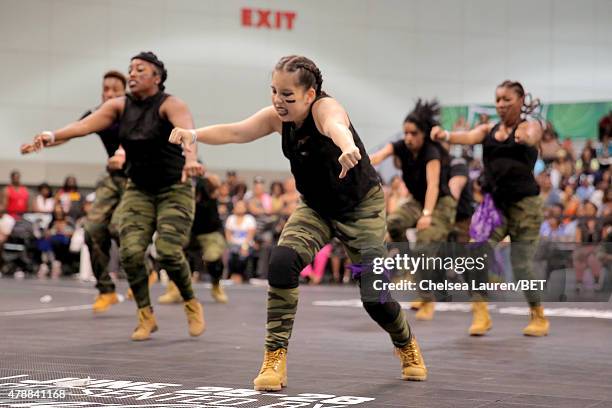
[
  {"x": 179, "y": 115},
  {"x": 382, "y": 154},
  {"x": 332, "y": 121},
  {"x": 260, "y": 124},
  {"x": 465, "y": 137},
  {"x": 99, "y": 120}
]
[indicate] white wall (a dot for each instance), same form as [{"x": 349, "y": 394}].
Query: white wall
[{"x": 377, "y": 56}]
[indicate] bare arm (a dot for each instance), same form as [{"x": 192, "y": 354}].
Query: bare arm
[
  {"x": 382, "y": 154},
  {"x": 464, "y": 137},
  {"x": 179, "y": 115},
  {"x": 99, "y": 120},
  {"x": 456, "y": 185},
  {"x": 432, "y": 170},
  {"x": 529, "y": 133},
  {"x": 332, "y": 121},
  {"x": 260, "y": 124}
]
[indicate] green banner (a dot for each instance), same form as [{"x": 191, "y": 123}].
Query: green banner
[{"x": 570, "y": 120}]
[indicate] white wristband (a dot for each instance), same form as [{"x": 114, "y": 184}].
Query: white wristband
[
  {"x": 50, "y": 134},
  {"x": 194, "y": 135},
  {"x": 446, "y": 136}
]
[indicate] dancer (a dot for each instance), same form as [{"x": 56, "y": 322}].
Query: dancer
[
  {"x": 158, "y": 196},
  {"x": 425, "y": 168},
  {"x": 102, "y": 221},
  {"x": 342, "y": 196},
  {"x": 207, "y": 234},
  {"x": 509, "y": 156}
]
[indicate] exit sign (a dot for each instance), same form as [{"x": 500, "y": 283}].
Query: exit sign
[{"x": 268, "y": 19}]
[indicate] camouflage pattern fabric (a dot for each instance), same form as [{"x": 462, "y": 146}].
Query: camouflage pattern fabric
[
  {"x": 102, "y": 225},
  {"x": 168, "y": 211}
]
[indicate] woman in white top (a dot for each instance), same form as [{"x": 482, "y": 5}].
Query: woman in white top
[{"x": 239, "y": 232}]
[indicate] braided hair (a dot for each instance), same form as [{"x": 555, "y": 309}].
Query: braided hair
[
  {"x": 309, "y": 75},
  {"x": 530, "y": 104}
]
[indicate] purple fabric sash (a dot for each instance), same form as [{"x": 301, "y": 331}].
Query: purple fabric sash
[{"x": 486, "y": 218}]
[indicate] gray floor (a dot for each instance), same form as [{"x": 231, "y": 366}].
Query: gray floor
[{"x": 336, "y": 351}]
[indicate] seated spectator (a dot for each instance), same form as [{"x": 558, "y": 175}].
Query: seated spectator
[
  {"x": 276, "y": 194},
  {"x": 585, "y": 188},
  {"x": 571, "y": 203},
  {"x": 291, "y": 198},
  {"x": 550, "y": 196},
  {"x": 231, "y": 178},
  {"x": 562, "y": 167},
  {"x": 260, "y": 202},
  {"x": 587, "y": 163},
  {"x": 552, "y": 229},
  {"x": 224, "y": 201},
  {"x": 15, "y": 197},
  {"x": 60, "y": 232},
  {"x": 588, "y": 234},
  {"x": 568, "y": 147},
  {"x": 44, "y": 201},
  {"x": 240, "y": 230},
  {"x": 605, "y": 127},
  {"x": 70, "y": 198},
  {"x": 549, "y": 145},
  {"x": 239, "y": 193}
]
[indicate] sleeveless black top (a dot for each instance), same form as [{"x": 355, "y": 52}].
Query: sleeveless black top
[
  {"x": 314, "y": 164},
  {"x": 110, "y": 139},
  {"x": 152, "y": 162},
  {"x": 508, "y": 169},
  {"x": 206, "y": 218}
]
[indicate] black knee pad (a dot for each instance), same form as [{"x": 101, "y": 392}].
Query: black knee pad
[
  {"x": 382, "y": 313},
  {"x": 285, "y": 268}
]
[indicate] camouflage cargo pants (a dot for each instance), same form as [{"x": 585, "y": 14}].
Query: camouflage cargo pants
[
  {"x": 361, "y": 232},
  {"x": 522, "y": 221},
  {"x": 429, "y": 240},
  {"x": 102, "y": 223},
  {"x": 168, "y": 211}
]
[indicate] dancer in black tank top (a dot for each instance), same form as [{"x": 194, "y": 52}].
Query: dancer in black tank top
[
  {"x": 509, "y": 155},
  {"x": 342, "y": 197},
  {"x": 102, "y": 221},
  {"x": 158, "y": 196},
  {"x": 425, "y": 168}
]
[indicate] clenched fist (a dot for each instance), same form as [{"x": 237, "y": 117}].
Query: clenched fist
[{"x": 348, "y": 159}]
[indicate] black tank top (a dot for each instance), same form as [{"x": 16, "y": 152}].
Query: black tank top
[
  {"x": 206, "y": 219},
  {"x": 152, "y": 162},
  {"x": 110, "y": 139},
  {"x": 314, "y": 164},
  {"x": 508, "y": 169}
]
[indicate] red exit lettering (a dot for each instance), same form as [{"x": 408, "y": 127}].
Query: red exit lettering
[{"x": 270, "y": 19}]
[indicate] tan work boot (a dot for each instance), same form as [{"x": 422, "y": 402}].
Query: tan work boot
[
  {"x": 129, "y": 295},
  {"x": 426, "y": 312},
  {"x": 538, "y": 324},
  {"x": 413, "y": 365},
  {"x": 416, "y": 304},
  {"x": 481, "y": 320},
  {"x": 104, "y": 301},
  {"x": 172, "y": 295},
  {"x": 218, "y": 293},
  {"x": 195, "y": 317},
  {"x": 146, "y": 324},
  {"x": 273, "y": 373}
]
